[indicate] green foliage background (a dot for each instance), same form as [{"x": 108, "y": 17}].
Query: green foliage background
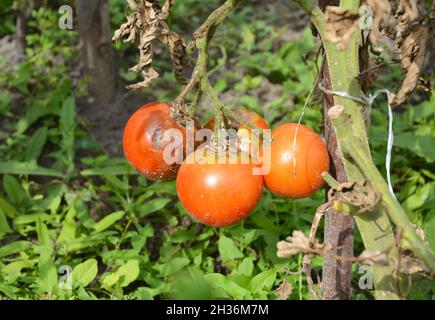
[{"x": 68, "y": 208}]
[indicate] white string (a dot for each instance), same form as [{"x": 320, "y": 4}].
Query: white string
[
  {"x": 368, "y": 102},
  {"x": 389, "y": 148},
  {"x": 390, "y": 142}
]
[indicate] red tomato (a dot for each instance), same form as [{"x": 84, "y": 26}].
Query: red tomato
[
  {"x": 311, "y": 161},
  {"x": 253, "y": 118},
  {"x": 217, "y": 194},
  {"x": 247, "y": 115},
  {"x": 144, "y": 141}
]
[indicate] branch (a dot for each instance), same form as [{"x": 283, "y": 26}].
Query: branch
[
  {"x": 202, "y": 37},
  {"x": 353, "y": 149}
]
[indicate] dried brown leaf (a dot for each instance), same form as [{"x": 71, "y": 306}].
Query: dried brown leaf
[
  {"x": 406, "y": 15},
  {"x": 299, "y": 243},
  {"x": 412, "y": 53},
  {"x": 373, "y": 257},
  {"x": 144, "y": 25},
  {"x": 284, "y": 290},
  {"x": 148, "y": 77},
  {"x": 382, "y": 19},
  {"x": 361, "y": 195},
  {"x": 340, "y": 25},
  {"x": 409, "y": 265}
]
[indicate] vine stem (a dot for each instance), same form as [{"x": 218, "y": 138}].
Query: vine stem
[
  {"x": 199, "y": 78},
  {"x": 202, "y": 37},
  {"x": 353, "y": 147},
  {"x": 411, "y": 240}
]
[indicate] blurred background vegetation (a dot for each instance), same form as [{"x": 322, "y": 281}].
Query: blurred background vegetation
[{"x": 71, "y": 205}]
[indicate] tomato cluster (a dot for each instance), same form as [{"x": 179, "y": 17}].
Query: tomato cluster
[{"x": 212, "y": 189}]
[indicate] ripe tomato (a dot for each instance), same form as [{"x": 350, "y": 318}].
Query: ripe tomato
[
  {"x": 253, "y": 118},
  {"x": 217, "y": 194},
  {"x": 144, "y": 141},
  {"x": 247, "y": 115},
  {"x": 311, "y": 161}
]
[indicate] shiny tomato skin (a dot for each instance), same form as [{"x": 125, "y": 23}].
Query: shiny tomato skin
[
  {"x": 247, "y": 115},
  {"x": 216, "y": 194},
  {"x": 144, "y": 141},
  {"x": 311, "y": 161},
  {"x": 253, "y": 118}
]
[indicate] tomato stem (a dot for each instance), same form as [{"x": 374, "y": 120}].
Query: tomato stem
[{"x": 202, "y": 37}]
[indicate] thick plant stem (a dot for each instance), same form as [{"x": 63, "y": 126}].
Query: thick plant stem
[
  {"x": 375, "y": 227},
  {"x": 410, "y": 239},
  {"x": 339, "y": 229}
]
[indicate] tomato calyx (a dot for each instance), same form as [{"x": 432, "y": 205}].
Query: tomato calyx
[{"x": 180, "y": 114}]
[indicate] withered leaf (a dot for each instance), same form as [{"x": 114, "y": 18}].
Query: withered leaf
[
  {"x": 361, "y": 195},
  {"x": 412, "y": 53},
  {"x": 298, "y": 243},
  {"x": 144, "y": 25},
  {"x": 284, "y": 290},
  {"x": 409, "y": 265},
  {"x": 373, "y": 257},
  {"x": 382, "y": 19}
]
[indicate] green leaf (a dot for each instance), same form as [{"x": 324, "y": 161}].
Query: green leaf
[
  {"x": 264, "y": 280},
  {"x": 4, "y": 225},
  {"x": 219, "y": 281},
  {"x": 31, "y": 218},
  {"x": 13, "y": 189},
  {"x": 246, "y": 267},
  {"x": 36, "y": 144},
  {"x": 90, "y": 241},
  {"x": 125, "y": 275},
  {"x": 153, "y": 205},
  {"x": 42, "y": 232},
  {"x": 419, "y": 198},
  {"x": 108, "y": 220},
  {"x": 53, "y": 194},
  {"x": 261, "y": 220},
  {"x": 116, "y": 182},
  {"x": 112, "y": 170},
  {"x": 173, "y": 266},
  {"x": 128, "y": 272},
  {"x": 47, "y": 281},
  {"x": 32, "y": 115},
  {"x": 69, "y": 226},
  {"x": 14, "y": 247},
  {"x": 27, "y": 168},
  {"x": 85, "y": 272},
  {"x": 421, "y": 145},
  {"x": 7, "y": 208},
  {"x": 8, "y": 290},
  {"x": 5, "y": 100},
  {"x": 68, "y": 113},
  {"x": 228, "y": 249},
  {"x": 13, "y": 270}
]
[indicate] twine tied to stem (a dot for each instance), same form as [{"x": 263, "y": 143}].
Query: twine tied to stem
[{"x": 367, "y": 101}]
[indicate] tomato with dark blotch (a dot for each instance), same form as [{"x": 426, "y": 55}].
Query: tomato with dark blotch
[
  {"x": 311, "y": 159},
  {"x": 217, "y": 194},
  {"x": 144, "y": 141}
]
